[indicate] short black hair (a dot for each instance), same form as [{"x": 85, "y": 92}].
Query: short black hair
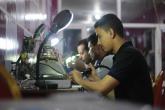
[
  {"x": 111, "y": 21},
  {"x": 84, "y": 42},
  {"x": 93, "y": 39}
]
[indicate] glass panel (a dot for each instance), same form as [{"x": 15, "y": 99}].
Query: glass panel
[
  {"x": 2, "y": 37},
  {"x": 143, "y": 39},
  {"x": 88, "y": 11},
  {"x": 163, "y": 49},
  {"x": 142, "y": 11},
  {"x": 71, "y": 38}
]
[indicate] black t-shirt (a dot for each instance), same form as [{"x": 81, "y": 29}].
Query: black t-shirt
[{"x": 130, "y": 69}]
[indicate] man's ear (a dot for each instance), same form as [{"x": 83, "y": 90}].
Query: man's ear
[{"x": 111, "y": 33}]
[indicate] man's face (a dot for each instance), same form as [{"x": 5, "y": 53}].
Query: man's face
[
  {"x": 91, "y": 51},
  {"x": 83, "y": 53},
  {"x": 95, "y": 51},
  {"x": 104, "y": 39}
]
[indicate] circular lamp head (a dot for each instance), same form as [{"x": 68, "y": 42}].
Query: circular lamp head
[{"x": 61, "y": 21}]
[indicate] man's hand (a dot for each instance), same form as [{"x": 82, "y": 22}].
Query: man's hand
[
  {"x": 93, "y": 76},
  {"x": 76, "y": 76},
  {"x": 79, "y": 65},
  {"x": 71, "y": 65}
]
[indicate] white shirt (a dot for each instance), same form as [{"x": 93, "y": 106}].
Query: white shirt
[{"x": 107, "y": 61}]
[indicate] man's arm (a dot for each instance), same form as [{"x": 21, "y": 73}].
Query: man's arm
[{"x": 103, "y": 86}]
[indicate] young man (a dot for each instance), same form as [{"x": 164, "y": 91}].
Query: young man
[
  {"x": 129, "y": 75},
  {"x": 83, "y": 49},
  {"x": 84, "y": 57}
]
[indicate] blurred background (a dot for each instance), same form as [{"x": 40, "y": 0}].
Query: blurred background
[{"x": 144, "y": 22}]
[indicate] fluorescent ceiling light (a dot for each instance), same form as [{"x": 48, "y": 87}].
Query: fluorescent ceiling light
[
  {"x": 97, "y": 16},
  {"x": 35, "y": 16},
  {"x": 8, "y": 44},
  {"x": 97, "y": 11}
]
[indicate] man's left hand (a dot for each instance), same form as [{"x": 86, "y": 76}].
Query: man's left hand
[{"x": 76, "y": 76}]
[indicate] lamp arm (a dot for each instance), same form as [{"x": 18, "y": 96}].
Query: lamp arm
[{"x": 39, "y": 53}]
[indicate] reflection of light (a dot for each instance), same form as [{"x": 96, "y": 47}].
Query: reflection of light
[
  {"x": 162, "y": 28},
  {"x": 89, "y": 19},
  {"x": 54, "y": 41},
  {"x": 71, "y": 59},
  {"x": 8, "y": 44},
  {"x": 32, "y": 58},
  {"x": 77, "y": 55},
  {"x": 97, "y": 12},
  {"x": 127, "y": 33},
  {"x": 12, "y": 57},
  {"x": 14, "y": 0},
  {"x": 45, "y": 76},
  {"x": 67, "y": 23},
  {"x": 35, "y": 16},
  {"x": 97, "y": 16},
  {"x": 88, "y": 29}
]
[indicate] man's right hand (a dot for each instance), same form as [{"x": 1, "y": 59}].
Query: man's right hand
[{"x": 93, "y": 76}]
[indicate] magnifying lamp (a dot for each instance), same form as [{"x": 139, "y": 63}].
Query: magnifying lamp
[
  {"x": 60, "y": 22},
  {"x": 39, "y": 30}
]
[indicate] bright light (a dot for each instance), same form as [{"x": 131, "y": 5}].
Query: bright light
[
  {"x": 162, "y": 28},
  {"x": 8, "y": 44},
  {"x": 12, "y": 1},
  {"x": 97, "y": 16},
  {"x": 127, "y": 33},
  {"x": 54, "y": 41},
  {"x": 89, "y": 19},
  {"x": 88, "y": 29},
  {"x": 32, "y": 58},
  {"x": 71, "y": 59},
  {"x": 97, "y": 12},
  {"x": 97, "y": 8},
  {"x": 12, "y": 57},
  {"x": 35, "y": 16}
]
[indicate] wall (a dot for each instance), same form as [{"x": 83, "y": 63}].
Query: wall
[{"x": 19, "y": 18}]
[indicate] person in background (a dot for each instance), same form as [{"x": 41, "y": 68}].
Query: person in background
[
  {"x": 82, "y": 49},
  {"x": 129, "y": 75},
  {"x": 103, "y": 62},
  {"x": 84, "y": 57}
]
